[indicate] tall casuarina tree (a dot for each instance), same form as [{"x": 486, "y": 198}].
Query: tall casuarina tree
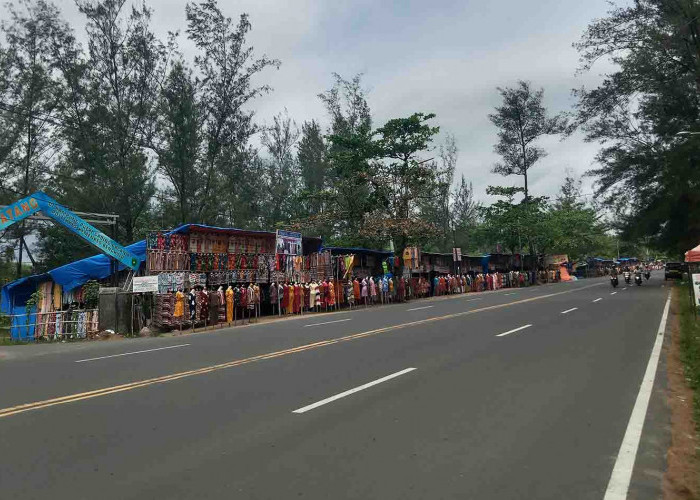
[
  {"x": 227, "y": 66},
  {"x": 522, "y": 119}
]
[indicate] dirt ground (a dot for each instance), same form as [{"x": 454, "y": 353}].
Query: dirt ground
[{"x": 681, "y": 477}]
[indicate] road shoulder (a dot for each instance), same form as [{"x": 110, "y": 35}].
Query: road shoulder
[{"x": 681, "y": 477}]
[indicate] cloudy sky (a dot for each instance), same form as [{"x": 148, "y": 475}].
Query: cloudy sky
[{"x": 440, "y": 56}]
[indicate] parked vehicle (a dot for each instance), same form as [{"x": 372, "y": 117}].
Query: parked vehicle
[{"x": 674, "y": 271}]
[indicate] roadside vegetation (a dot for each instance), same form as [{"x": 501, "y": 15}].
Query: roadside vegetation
[{"x": 690, "y": 348}]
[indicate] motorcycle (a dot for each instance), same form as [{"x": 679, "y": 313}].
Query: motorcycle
[
  {"x": 647, "y": 275},
  {"x": 638, "y": 279},
  {"x": 613, "y": 280},
  {"x": 628, "y": 277}
]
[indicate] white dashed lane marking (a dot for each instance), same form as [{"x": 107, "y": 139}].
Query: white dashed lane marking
[
  {"x": 513, "y": 330},
  {"x": 328, "y": 322},
  {"x": 419, "y": 308},
  {"x": 352, "y": 391}
]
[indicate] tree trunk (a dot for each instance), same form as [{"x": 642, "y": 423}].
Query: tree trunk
[{"x": 526, "y": 193}]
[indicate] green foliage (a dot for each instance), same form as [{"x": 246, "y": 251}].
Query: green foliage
[
  {"x": 312, "y": 156},
  {"x": 565, "y": 226},
  {"x": 648, "y": 175},
  {"x": 522, "y": 120},
  {"x": 515, "y": 225},
  {"x": 30, "y": 92},
  {"x": 34, "y": 300},
  {"x": 91, "y": 294},
  {"x": 227, "y": 66},
  {"x": 464, "y": 217},
  {"x": 690, "y": 347},
  {"x": 403, "y": 180},
  {"x": 177, "y": 143},
  {"x": 282, "y": 176}
]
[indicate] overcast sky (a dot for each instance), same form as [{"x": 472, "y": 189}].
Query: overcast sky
[{"x": 440, "y": 56}]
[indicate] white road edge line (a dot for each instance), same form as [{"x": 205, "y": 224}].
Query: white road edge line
[
  {"x": 129, "y": 353},
  {"x": 624, "y": 464},
  {"x": 328, "y": 322},
  {"x": 598, "y": 299},
  {"x": 513, "y": 330},
  {"x": 569, "y": 310},
  {"x": 419, "y": 308},
  {"x": 613, "y": 293},
  {"x": 352, "y": 391}
]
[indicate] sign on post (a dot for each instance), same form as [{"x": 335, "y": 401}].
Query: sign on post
[
  {"x": 51, "y": 208},
  {"x": 696, "y": 288},
  {"x": 145, "y": 284},
  {"x": 288, "y": 243}
]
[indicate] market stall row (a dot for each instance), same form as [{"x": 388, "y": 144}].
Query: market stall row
[{"x": 203, "y": 275}]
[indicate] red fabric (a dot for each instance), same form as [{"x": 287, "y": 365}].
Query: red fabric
[
  {"x": 321, "y": 295},
  {"x": 331, "y": 294},
  {"x": 297, "y": 298},
  {"x": 693, "y": 255}
]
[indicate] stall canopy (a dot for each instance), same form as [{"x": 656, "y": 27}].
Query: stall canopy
[
  {"x": 69, "y": 276},
  {"x": 98, "y": 267},
  {"x": 693, "y": 255},
  {"x": 361, "y": 251}
]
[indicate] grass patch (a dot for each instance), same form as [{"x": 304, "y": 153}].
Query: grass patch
[{"x": 690, "y": 347}]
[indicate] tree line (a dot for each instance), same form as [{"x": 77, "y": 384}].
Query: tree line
[{"x": 124, "y": 123}]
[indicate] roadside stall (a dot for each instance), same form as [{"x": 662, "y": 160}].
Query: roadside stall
[
  {"x": 692, "y": 259},
  {"x": 557, "y": 267}
]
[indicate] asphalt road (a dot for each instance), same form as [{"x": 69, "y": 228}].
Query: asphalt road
[{"x": 327, "y": 406}]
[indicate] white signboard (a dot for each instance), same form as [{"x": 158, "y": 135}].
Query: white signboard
[
  {"x": 696, "y": 288},
  {"x": 288, "y": 243},
  {"x": 145, "y": 284}
]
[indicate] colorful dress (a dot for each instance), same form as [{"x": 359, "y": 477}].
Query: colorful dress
[
  {"x": 179, "y": 304},
  {"x": 331, "y": 294},
  {"x": 229, "y": 304}
]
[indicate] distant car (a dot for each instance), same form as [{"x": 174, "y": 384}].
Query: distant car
[{"x": 674, "y": 271}]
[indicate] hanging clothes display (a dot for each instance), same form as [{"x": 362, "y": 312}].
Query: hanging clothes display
[
  {"x": 313, "y": 289},
  {"x": 213, "y": 307},
  {"x": 331, "y": 294},
  {"x": 192, "y": 298},
  {"x": 179, "y": 305},
  {"x": 229, "y": 304},
  {"x": 204, "y": 306}
]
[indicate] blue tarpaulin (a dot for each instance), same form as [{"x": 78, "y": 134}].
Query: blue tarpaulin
[
  {"x": 485, "y": 262},
  {"x": 22, "y": 327},
  {"x": 69, "y": 276},
  {"x": 627, "y": 259}
]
